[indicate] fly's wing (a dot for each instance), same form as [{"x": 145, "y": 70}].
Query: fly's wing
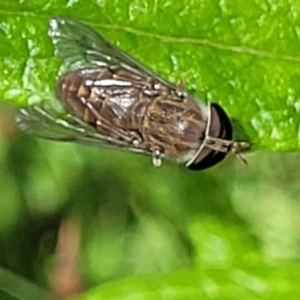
[
  {"x": 47, "y": 122},
  {"x": 79, "y": 46}
]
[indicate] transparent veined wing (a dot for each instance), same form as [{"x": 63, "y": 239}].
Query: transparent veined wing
[
  {"x": 43, "y": 120},
  {"x": 79, "y": 46}
]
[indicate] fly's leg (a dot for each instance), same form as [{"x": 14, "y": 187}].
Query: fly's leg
[
  {"x": 180, "y": 84},
  {"x": 179, "y": 89},
  {"x": 136, "y": 138},
  {"x": 236, "y": 146},
  {"x": 157, "y": 156}
]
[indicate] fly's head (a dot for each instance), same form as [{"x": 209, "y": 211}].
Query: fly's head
[{"x": 217, "y": 142}]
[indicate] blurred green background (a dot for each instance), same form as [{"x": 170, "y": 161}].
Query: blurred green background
[
  {"x": 108, "y": 225},
  {"x": 235, "y": 227}
]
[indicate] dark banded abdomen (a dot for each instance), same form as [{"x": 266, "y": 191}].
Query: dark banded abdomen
[
  {"x": 72, "y": 90},
  {"x": 112, "y": 97}
]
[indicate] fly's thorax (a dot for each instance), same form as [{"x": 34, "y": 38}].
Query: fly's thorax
[{"x": 176, "y": 125}]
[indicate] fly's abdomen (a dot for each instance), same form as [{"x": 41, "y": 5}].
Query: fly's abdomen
[
  {"x": 105, "y": 98},
  {"x": 71, "y": 90}
]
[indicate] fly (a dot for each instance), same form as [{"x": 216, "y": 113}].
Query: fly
[{"x": 114, "y": 101}]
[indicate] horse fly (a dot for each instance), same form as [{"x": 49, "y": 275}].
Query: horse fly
[{"x": 114, "y": 101}]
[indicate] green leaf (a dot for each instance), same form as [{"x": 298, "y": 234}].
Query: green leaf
[
  {"x": 241, "y": 54},
  {"x": 264, "y": 282}
]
